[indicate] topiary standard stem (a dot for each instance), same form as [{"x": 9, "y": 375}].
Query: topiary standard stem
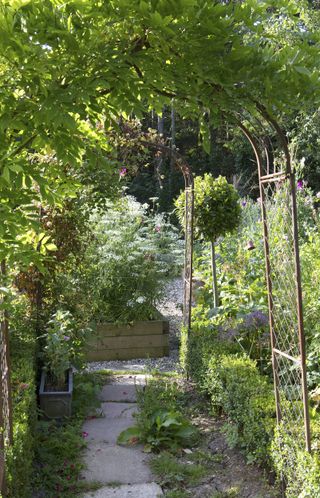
[{"x": 214, "y": 276}]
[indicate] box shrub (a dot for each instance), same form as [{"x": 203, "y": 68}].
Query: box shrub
[
  {"x": 300, "y": 469},
  {"x": 236, "y": 388},
  {"x": 248, "y": 400}
]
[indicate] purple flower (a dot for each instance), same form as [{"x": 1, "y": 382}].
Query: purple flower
[
  {"x": 226, "y": 333},
  {"x": 231, "y": 334},
  {"x": 123, "y": 172},
  {"x": 300, "y": 184},
  {"x": 255, "y": 320},
  {"x": 243, "y": 203},
  {"x": 84, "y": 434},
  {"x": 66, "y": 338}
]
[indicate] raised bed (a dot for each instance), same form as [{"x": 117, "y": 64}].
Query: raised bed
[{"x": 141, "y": 339}]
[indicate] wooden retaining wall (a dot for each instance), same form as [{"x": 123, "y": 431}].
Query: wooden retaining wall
[{"x": 144, "y": 339}]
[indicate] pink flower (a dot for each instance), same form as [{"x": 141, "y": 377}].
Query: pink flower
[
  {"x": 158, "y": 229},
  {"x": 123, "y": 172},
  {"x": 68, "y": 478},
  {"x": 300, "y": 184},
  {"x": 84, "y": 434}
]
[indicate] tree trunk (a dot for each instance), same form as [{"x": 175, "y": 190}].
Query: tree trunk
[
  {"x": 159, "y": 160},
  {"x": 173, "y": 142},
  {"x": 214, "y": 276}
]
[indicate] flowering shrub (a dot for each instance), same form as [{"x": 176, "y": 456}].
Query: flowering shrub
[{"x": 131, "y": 258}]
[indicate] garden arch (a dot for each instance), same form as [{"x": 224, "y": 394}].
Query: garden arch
[
  {"x": 282, "y": 276},
  {"x": 282, "y": 267}
]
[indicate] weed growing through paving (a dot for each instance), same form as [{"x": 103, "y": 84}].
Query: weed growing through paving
[
  {"x": 231, "y": 493},
  {"x": 177, "y": 493},
  {"x": 160, "y": 422},
  {"x": 172, "y": 472}
]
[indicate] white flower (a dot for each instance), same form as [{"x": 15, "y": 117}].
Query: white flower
[{"x": 140, "y": 299}]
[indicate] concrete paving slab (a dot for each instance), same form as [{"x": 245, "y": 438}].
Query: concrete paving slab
[
  {"x": 107, "y": 464},
  {"x": 138, "y": 379},
  {"x": 117, "y": 418},
  {"x": 105, "y": 461},
  {"x": 116, "y": 410},
  {"x": 119, "y": 392},
  {"x": 149, "y": 490},
  {"x": 122, "y": 388}
]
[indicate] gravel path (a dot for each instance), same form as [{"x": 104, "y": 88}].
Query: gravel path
[{"x": 171, "y": 308}]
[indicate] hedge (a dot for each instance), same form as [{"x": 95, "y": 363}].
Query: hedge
[
  {"x": 237, "y": 389},
  {"x": 20, "y": 456}
]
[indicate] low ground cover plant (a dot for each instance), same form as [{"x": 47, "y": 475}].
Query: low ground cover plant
[{"x": 174, "y": 473}]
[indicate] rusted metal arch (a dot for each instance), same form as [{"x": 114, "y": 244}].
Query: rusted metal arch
[
  {"x": 263, "y": 149},
  {"x": 265, "y": 177}
]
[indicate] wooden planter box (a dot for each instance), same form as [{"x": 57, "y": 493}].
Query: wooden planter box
[{"x": 142, "y": 339}]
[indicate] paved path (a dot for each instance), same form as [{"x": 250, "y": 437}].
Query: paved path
[{"x": 122, "y": 471}]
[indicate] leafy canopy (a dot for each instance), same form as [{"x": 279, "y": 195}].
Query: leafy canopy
[{"x": 70, "y": 69}]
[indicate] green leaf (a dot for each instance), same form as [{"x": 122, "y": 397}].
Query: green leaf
[
  {"x": 170, "y": 421},
  {"x": 6, "y": 174},
  {"x": 131, "y": 436},
  {"x": 303, "y": 70},
  {"x": 51, "y": 247}
]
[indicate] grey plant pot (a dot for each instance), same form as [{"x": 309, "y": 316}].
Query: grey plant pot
[{"x": 56, "y": 404}]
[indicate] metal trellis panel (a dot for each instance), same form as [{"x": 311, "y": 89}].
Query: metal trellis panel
[
  {"x": 283, "y": 276},
  {"x": 279, "y": 213}
]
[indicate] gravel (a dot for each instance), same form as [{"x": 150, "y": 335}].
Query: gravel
[{"x": 171, "y": 309}]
